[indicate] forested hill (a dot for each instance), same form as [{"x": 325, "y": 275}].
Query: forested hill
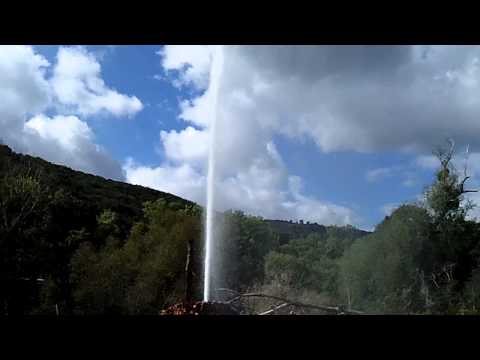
[
  {"x": 94, "y": 192},
  {"x": 289, "y": 230}
]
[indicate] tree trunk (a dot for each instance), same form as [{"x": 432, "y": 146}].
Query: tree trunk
[{"x": 189, "y": 273}]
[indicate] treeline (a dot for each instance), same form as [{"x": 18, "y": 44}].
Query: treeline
[
  {"x": 82, "y": 247},
  {"x": 73, "y": 243},
  {"x": 422, "y": 259}
]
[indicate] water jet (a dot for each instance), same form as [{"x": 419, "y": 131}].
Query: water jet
[{"x": 215, "y": 77}]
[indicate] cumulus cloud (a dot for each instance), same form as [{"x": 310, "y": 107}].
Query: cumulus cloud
[
  {"x": 263, "y": 189},
  {"x": 63, "y": 138},
  {"x": 344, "y": 98},
  {"x": 65, "y": 130},
  {"x": 182, "y": 180},
  {"x": 356, "y": 98},
  {"x": 23, "y": 88},
  {"x": 251, "y": 175},
  {"x": 305, "y": 207},
  {"x": 189, "y": 145},
  {"x": 250, "y": 172},
  {"x": 77, "y": 84},
  {"x": 69, "y": 141},
  {"x": 361, "y": 98},
  {"x": 190, "y": 62}
]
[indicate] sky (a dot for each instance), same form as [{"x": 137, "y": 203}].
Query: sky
[{"x": 327, "y": 134}]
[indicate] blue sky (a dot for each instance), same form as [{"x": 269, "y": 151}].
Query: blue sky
[
  {"x": 134, "y": 137},
  {"x": 341, "y": 178},
  {"x": 327, "y": 134}
]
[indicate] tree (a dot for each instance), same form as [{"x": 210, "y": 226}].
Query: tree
[
  {"x": 240, "y": 255},
  {"x": 21, "y": 193},
  {"x": 144, "y": 274},
  {"x": 380, "y": 272},
  {"x": 22, "y": 199},
  {"x": 446, "y": 257},
  {"x": 445, "y": 197}
]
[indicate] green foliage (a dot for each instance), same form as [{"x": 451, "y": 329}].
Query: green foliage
[
  {"x": 105, "y": 247},
  {"x": 93, "y": 194},
  {"x": 418, "y": 260},
  {"x": 471, "y": 294},
  {"x": 310, "y": 263},
  {"x": 20, "y": 195},
  {"x": 22, "y": 200},
  {"x": 142, "y": 275},
  {"x": 107, "y": 218},
  {"x": 245, "y": 242},
  {"x": 381, "y": 271},
  {"x": 48, "y": 211},
  {"x": 447, "y": 255}
]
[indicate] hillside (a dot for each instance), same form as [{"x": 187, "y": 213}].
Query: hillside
[
  {"x": 93, "y": 192},
  {"x": 97, "y": 193}
]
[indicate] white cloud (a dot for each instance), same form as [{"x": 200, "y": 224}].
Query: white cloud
[
  {"x": 192, "y": 61},
  {"x": 250, "y": 173},
  {"x": 67, "y": 140},
  {"x": 189, "y": 145},
  {"x": 64, "y": 139},
  {"x": 63, "y": 129},
  {"x": 77, "y": 84},
  {"x": 23, "y": 88},
  {"x": 361, "y": 98},
  {"x": 181, "y": 180},
  {"x": 357, "y": 98},
  {"x": 260, "y": 186},
  {"x": 304, "y": 207},
  {"x": 259, "y": 190}
]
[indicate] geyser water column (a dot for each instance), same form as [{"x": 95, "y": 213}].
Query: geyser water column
[{"x": 215, "y": 78}]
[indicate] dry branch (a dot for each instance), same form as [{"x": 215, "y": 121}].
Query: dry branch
[
  {"x": 268, "y": 312},
  {"x": 329, "y": 309}
]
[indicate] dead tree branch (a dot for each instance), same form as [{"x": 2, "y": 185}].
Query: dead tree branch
[
  {"x": 268, "y": 312},
  {"x": 328, "y": 309}
]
